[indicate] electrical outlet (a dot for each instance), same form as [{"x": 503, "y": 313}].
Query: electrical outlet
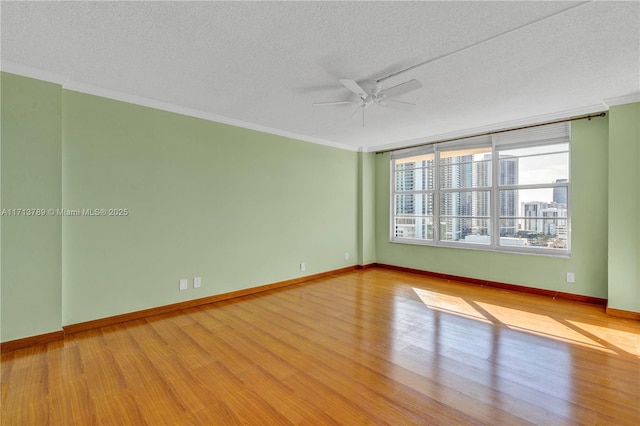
[
  {"x": 346, "y": 256},
  {"x": 571, "y": 277},
  {"x": 303, "y": 267},
  {"x": 183, "y": 284},
  {"x": 197, "y": 282}
]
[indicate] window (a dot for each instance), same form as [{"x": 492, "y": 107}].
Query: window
[{"x": 508, "y": 191}]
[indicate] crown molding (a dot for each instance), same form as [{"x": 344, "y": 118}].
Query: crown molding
[
  {"x": 35, "y": 73},
  {"x": 622, "y": 100},
  {"x": 164, "y": 106},
  {"x": 89, "y": 89},
  {"x": 68, "y": 84}
]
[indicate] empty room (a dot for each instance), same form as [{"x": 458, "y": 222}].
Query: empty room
[{"x": 221, "y": 213}]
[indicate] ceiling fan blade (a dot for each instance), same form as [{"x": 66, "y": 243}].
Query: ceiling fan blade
[
  {"x": 392, "y": 103},
  {"x": 401, "y": 88},
  {"x": 356, "y": 110},
  {"x": 400, "y": 102},
  {"x": 354, "y": 87},
  {"x": 336, "y": 102}
]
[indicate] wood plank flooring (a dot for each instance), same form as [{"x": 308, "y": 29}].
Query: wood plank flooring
[{"x": 371, "y": 346}]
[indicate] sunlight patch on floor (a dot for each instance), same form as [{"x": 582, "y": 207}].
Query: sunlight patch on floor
[
  {"x": 452, "y": 304},
  {"x": 542, "y": 325},
  {"x": 562, "y": 329},
  {"x": 625, "y": 340}
]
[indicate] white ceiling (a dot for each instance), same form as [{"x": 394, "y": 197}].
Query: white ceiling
[{"x": 262, "y": 65}]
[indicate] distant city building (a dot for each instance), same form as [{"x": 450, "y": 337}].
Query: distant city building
[
  {"x": 560, "y": 194},
  {"x": 508, "y": 175},
  {"x": 548, "y": 218},
  {"x": 458, "y": 210},
  {"x": 533, "y": 210},
  {"x": 508, "y": 203}
]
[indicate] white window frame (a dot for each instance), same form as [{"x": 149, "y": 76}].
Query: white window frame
[{"x": 538, "y": 136}]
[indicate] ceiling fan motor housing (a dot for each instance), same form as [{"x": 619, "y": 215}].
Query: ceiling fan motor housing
[{"x": 372, "y": 88}]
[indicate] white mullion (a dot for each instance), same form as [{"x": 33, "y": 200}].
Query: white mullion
[
  {"x": 472, "y": 189},
  {"x": 433, "y": 211},
  {"x": 569, "y": 200},
  {"x": 392, "y": 213},
  {"x": 541, "y": 154},
  {"x": 549, "y": 185},
  {"x": 419, "y": 191},
  {"x": 436, "y": 197},
  {"x": 534, "y": 218},
  {"x": 453, "y": 216},
  {"x": 495, "y": 195},
  {"x": 462, "y": 163}
]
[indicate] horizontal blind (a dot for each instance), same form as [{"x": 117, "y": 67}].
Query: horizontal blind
[
  {"x": 466, "y": 144},
  {"x": 534, "y": 136}
]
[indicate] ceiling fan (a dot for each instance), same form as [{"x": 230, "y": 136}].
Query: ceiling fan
[{"x": 371, "y": 92}]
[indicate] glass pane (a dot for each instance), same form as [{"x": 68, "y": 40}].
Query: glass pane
[
  {"x": 539, "y": 221},
  {"x": 470, "y": 203},
  {"x": 466, "y": 175},
  {"x": 414, "y": 179},
  {"x": 530, "y": 170},
  {"x": 414, "y": 204},
  {"x": 544, "y": 202},
  {"x": 466, "y": 230},
  {"x": 509, "y": 206},
  {"x": 414, "y": 227},
  {"x": 539, "y": 232},
  {"x": 509, "y": 202},
  {"x": 535, "y": 150}
]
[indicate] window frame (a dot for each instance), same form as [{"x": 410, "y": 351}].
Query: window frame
[{"x": 495, "y": 218}]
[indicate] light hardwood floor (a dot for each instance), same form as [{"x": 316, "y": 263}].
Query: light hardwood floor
[{"x": 371, "y": 346}]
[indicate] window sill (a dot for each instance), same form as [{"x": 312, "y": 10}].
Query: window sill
[{"x": 562, "y": 254}]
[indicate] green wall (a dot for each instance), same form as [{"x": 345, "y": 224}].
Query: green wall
[
  {"x": 589, "y": 230},
  {"x": 237, "y": 207},
  {"x": 31, "y": 177},
  {"x": 366, "y": 209},
  {"x": 624, "y": 207},
  {"x": 241, "y": 208}
]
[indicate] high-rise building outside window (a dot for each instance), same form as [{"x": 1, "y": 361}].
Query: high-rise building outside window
[{"x": 508, "y": 191}]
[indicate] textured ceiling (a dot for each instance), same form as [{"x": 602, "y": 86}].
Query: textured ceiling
[{"x": 263, "y": 64}]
